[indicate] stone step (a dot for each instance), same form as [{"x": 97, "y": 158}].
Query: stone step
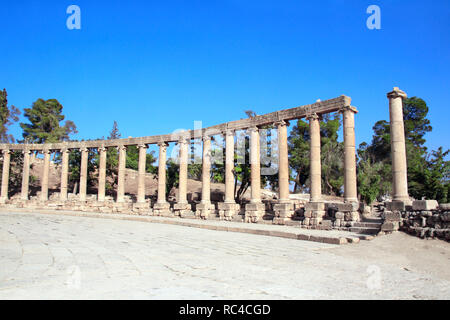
[
  {"x": 364, "y": 230},
  {"x": 372, "y": 219},
  {"x": 364, "y": 224}
]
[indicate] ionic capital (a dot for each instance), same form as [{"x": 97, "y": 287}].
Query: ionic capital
[
  {"x": 45, "y": 151},
  {"x": 396, "y": 93},
  {"x": 281, "y": 123},
  {"x": 312, "y": 116},
  {"x": 229, "y": 132},
  {"x": 6, "y": 151},
  {"x": 253, "y": 129},
  {"x": 163, "y": 145},
  {"x": 142, "y": 146},
  {"x": 26, "y": 151},
  {"x": 84, "y": 149},
  {"x": 121, "y": 148},
  {"x": 184, "y": 140},
  {"x": 102, "y": 149},
  {"x": 348, "y": 108},
  {"x": 206, "y": 138}
]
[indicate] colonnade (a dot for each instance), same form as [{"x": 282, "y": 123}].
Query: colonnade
[
  {"x": 205, "y": 204},
  {"x": 226, "y": 209}
]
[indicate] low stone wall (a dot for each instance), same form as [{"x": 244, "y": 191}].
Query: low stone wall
[
  {"x": 427, "y": 223},
  {"x": 424, "y": 219}
]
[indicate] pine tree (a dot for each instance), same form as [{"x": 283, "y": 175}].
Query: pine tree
[
  {"x": 44, "y": 127},
  {"x": 8, "y": 115}
]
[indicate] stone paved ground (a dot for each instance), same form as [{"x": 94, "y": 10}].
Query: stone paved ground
[{"x": 53, "y": 256}]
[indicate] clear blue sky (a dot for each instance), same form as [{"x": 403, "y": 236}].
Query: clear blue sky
[{"x": 156, "y": 66}]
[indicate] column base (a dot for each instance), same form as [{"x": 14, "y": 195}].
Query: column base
[
  {"x": 162, "y": 209},
  {"x": 3, "y": 200},
  {"x": 184, "y": 210},
  {"x": 204, "y": 209},
  {"x": 398, "y": 205},
  {"x": 228, "y": 210},
  {"x": 314, "y": 213},
  {"x": 142, "y": 208},
  {"x": 254, "y": 212},
  {"x": 283, "y": 212}
]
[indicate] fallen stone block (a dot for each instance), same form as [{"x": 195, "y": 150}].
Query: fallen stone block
[{"x": 419, "y": 205}]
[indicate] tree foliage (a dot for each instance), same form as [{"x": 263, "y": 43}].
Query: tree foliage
[
  {"x": 44, "y": 123},
  {"x": 8, "y": 115}
]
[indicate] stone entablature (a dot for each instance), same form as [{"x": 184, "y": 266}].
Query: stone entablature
[{"x": 322, "y": 107}]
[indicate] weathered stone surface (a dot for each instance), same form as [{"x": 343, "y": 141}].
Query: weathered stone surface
[
  {"x": 425, "y": 205},
  {"x": 310, "y": 206},
  {"x": 392, "y": 216},
  {"x": 444, "y": 206},
  {"x": 255, "y": 206},
  {"x": 395, "y": 205},
  {"x": 339, "y": 215},
  {"x": 389, "y": 226}
]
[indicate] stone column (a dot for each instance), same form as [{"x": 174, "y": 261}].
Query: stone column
[
  {"x": 283, "y": 162},
  {"x": 25, "y": 174},
  {"x": 314, "y": 159},
  {"x": 206, "y": 170},
  {"x": 182, "y": 206},
  {"x": 350, "y": 192},
  {"x": 44, "y": 181},
  {"x": 284, "y": 208},
  {"x": 141, "y": 173},
  {"x": 183, "y": 159},
  {"x": 229, "y": 167},
  {"x": 162, "y": 207},
  {"x": 83, "y": 173},
  {"x": 229, "y": 209},
  {"x": 64, "y": 173},
  {"x": 255, "y": 209},
  {"x": 398, "y": 148},
  {"x": 315, "y": 209},
  {"x": 255, "y": 166},
  {"x": 121, "y": 174},
  {"x": 101, "y": 174},
  {"x": 5, "y": 176},
  {"x": 203, "y": 209},
  {"x": 162, "y": 172}
]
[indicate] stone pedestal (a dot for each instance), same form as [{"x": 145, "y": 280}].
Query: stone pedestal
[
  {"x": 142, "y": 208},
  {"x": 254, "y": 211},
  {"x": 204, "y": 209},
  {"x": 184, "y": 210},
  {"x": 162, "y": 209},
  {"x": 391, "y": 221},
  {"x": 314, "y": 213},
  {"x": 227, "y": 211},
  {"x": 283, "y": 212}
]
